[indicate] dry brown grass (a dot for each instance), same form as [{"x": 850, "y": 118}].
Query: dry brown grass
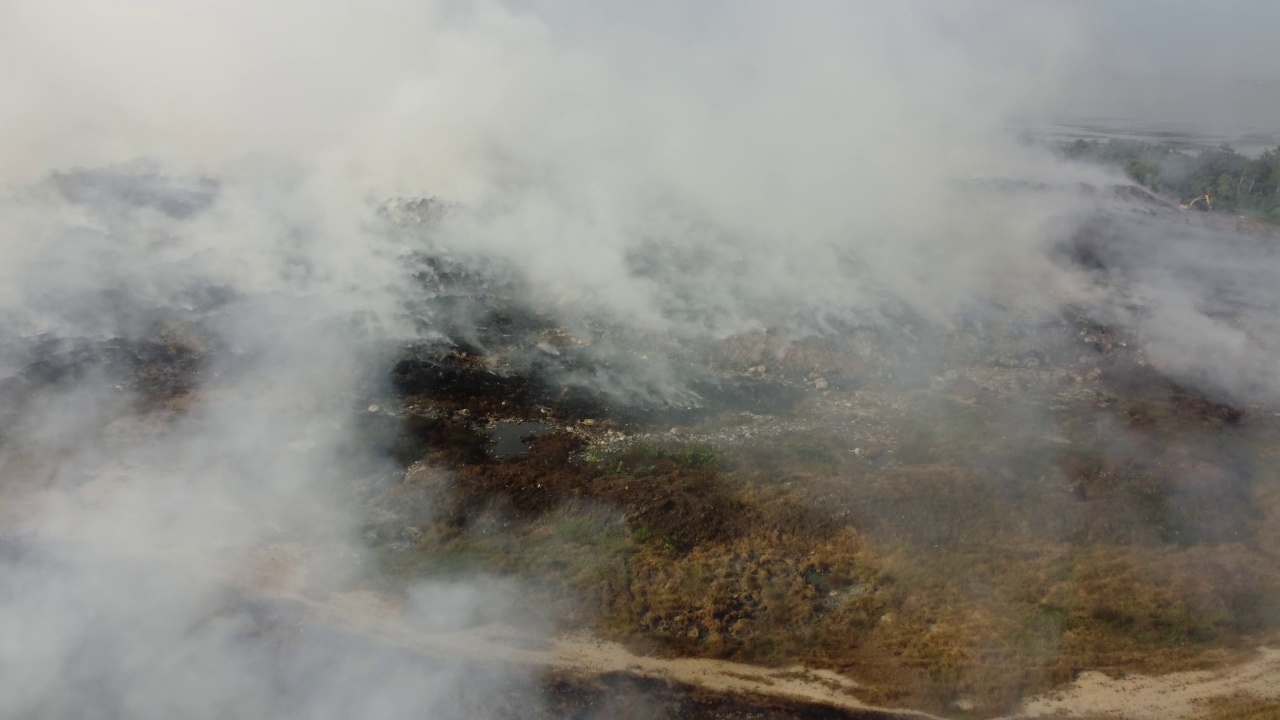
[
  {"x": 985, "y": 562},
  {"x": 1243, "y": 707}
]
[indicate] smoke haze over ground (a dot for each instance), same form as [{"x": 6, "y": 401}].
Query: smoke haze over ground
[{"x": 238, "y": 178}]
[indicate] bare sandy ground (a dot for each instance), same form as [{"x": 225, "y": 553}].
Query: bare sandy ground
[{"x": 1176, "y": 696}]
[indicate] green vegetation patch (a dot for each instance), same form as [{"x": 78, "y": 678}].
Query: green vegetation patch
[{"x": 1232, "y": 182}]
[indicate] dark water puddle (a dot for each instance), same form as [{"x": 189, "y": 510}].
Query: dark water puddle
[{"x": 508, "y": 439}]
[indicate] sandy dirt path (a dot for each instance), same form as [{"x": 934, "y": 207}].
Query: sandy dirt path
[{"x": 1176, "y": 696}]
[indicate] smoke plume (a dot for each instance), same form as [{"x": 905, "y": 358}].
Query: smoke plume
[{"x": 242, "y": 182}]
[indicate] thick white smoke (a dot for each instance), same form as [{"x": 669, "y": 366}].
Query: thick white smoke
[
  {"x": 689, "y": 171},
  {"x": 786, "y": 144}
]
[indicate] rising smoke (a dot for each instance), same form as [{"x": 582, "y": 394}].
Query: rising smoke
[{"x": 243, "y": 173}]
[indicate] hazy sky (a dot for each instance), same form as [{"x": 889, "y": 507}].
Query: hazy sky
[
  {"x": 1215, "y": 65},
  {"x": 1228, "y": 38},
  {"x": 1175, "y": 37},
  {"x": 1174, "y": 61}
]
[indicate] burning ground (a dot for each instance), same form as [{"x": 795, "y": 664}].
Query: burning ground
[
  {"x": 493, "y": 358},
  {"x": 944, "y": 519}
]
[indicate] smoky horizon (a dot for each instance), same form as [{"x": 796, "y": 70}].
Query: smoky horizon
[{"x": 521, "y": 359}]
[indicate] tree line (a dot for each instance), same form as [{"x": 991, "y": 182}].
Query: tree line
[{"x": 1214, "y": 179}]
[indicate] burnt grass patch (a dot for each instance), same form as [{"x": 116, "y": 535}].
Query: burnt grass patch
[
  {"x": 156, "y": 369},
  {"x": 623, "y": 696},
  {"x": 460, "y": 379},
  {"x": 567, "y": 385}
]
